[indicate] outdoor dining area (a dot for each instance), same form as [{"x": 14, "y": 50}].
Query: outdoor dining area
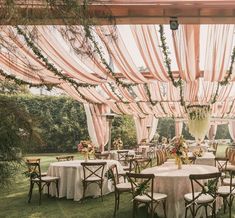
[
  {"x": 117, "y": 109},
  {"x": 198, "y": 183}
]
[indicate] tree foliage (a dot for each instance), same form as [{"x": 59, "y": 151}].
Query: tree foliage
[
  {"x": 16, "y": 132},
  {"x": 124, "y": 127}
]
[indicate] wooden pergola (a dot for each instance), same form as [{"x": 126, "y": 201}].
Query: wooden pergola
[{"x": 135, "y": 11}]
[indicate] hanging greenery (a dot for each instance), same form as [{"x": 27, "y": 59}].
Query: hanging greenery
[
  {"x": 18, "y": 81},
  {"x": 52, "y": 68},
  {"x": 226, "y": 79},
  {"x": 149, "y": 95},
  {"x": 167, "y": 61}
]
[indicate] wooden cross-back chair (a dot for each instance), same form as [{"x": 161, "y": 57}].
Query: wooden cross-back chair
[
  {"x": 118, "y": 187},
  {"x": 142, "y": 192},
  {"x": 93, "y": 172},
  {"x": 65, "y": 158},
  {"x": 139, "y": 164},
  {"x": 35, "y": 176},
  {"x": 205, "y": 197},
  {"x": 102, "y": 156},
  {"x": 35, "y": 160},
  {"x": 122, "y": 156},
  {"x": 227, "y": 191}
]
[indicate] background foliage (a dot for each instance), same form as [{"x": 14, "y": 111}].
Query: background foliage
[{"x": 62, "y": 124}]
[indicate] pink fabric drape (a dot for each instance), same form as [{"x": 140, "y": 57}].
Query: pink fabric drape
[
  {"x": 186, "y": 44},
  {"x": 145, "y": 127},
  {"x": 98, "y": 126},
  {"x": 231, "y": 128},
  {"x": 178, "y": 128},
  {"x": 218, "y": 51},
  {"x": 212, "y": 132}
]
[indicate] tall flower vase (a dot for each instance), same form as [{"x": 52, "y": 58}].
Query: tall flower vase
[
  {"x": 85, "y": 156},
  {"x": 178, "y": 162}
]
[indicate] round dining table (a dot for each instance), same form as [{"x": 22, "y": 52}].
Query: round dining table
[
  {"x": 71, "y": 175},
  {"x": 176, "y": 183}
]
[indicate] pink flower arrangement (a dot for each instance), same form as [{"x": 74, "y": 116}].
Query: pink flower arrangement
[
  {"x": 86, "y": 146},
  {"x": 179, "y": 148}
]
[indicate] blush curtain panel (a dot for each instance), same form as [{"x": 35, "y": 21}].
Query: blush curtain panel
[
  {"x": 145, "y": 127},
  {"x": 98, "y": 126}
]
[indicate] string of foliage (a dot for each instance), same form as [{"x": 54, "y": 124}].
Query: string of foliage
[
  {"x": 149, "y": 95},
  {"x": 52, "y": 68},
  {"x": 226, "y": 79},
  {"x": 97, "y": 49},
  {"x": 18, "y": 81},
  {"x": 167, "y": 61}
]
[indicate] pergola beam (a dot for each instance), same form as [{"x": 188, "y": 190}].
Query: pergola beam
[{"x": 127, "y": 12}]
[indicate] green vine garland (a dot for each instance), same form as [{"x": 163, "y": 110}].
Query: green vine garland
[
  {"x": 52, "y": 68},
  {"x": 167, "y": 61},
  {"x": 18, "y": 81},
  {"x": 226, "y": 79}
]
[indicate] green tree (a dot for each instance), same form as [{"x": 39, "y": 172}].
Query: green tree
[
  {"x": 124, "y": 127},
  {"x": 16, "y": 132}
]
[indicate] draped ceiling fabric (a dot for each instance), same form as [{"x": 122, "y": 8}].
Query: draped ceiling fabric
[
  {"x": 231, "y": 128},
  {"x": 178, "y": 128},
  {"x": 145, "y": 128},
  {"x": 137, "y": 57},
  {"x": 98, "y": 126},
  {"x": 212, "y": 131}
]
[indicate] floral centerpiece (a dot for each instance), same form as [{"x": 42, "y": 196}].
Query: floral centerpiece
[
  {"x": 198, "y": 120},
  {"x": 198, "y": 152},
  {"x": 86, "y": 148},
  {"x": 118, "y": 144},
  {"x": 143, "y": 141},
  {"x": 179, "y": 150}
]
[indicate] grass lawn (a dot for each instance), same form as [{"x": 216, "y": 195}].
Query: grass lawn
[{"x": 13, "y": 202}]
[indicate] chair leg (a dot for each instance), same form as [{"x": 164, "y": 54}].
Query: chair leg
[
  {"x": 164, "y": 208},
  {"x": 30, "y": 191},
  {"x": 133, "y": 210},
  {"x": 48, "y": 189},
  {"x": 206, "y": 211},
  {"x": 186, "y": 210},
  {"x": 84, "y": 189},
  {"x": 118, "y": 200},
  {"x": 101, "y": 190},
  {"x": 57, "y": 188},
  {"x": 115, "y": 203},
  {"x": 214, "y": 209},
  {"x": 152, "y": 211},
  {"x": 40, "y": 192},
  {"x": 225, "y": 204}
]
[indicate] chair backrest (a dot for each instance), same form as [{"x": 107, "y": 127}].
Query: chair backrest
[
  {"x": 141, "y": 184},
  {"x": 139, "y": 164},
  {"x": 65, "y": 158},
  {"x": 160, "y": 159},
  {"x": 232, "y": 175},
  {"x": 122, "y": 155},
  {"x": 93, "y": 169},
  {"x": 221, "y": 163},
  {"x": 228, "y": 151},
  {"x": 113, "y": 173},
  {"x": 102, "y": 156},
  {"x": 33, "y": 160},
  {"x": 232, "y": 156},
  {"x": 34, "y": 170},
  {"x": 206, "y": 182}
]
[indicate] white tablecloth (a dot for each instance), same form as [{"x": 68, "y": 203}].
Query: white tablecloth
[
  {"x": 207, "y": 159},
  {"x": 114, "y": 154},
  {"x": 71, "y": 174},
  {"x": 193, "y": 147},
  {"x": 176, "y": 183}
]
